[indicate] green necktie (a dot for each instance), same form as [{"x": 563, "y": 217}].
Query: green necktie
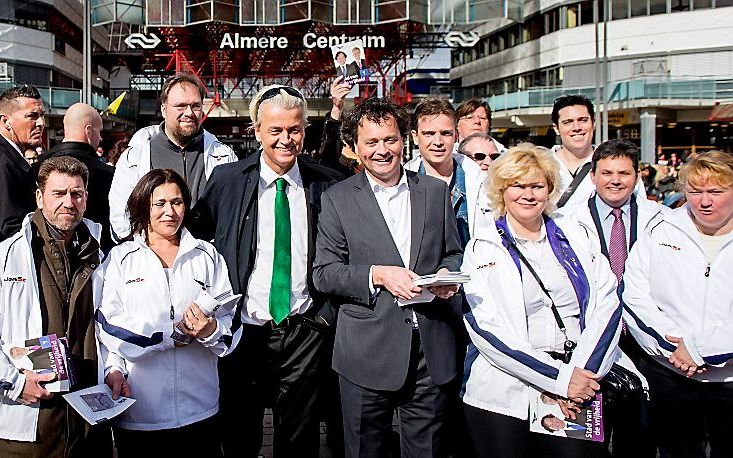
[{"x": 280, "y": 286}]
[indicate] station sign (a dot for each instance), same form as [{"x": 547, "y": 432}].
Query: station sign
[{"x": 310, "y": 41}]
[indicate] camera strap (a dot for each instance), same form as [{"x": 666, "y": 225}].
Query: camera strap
[{"x": 513, "y": 246}]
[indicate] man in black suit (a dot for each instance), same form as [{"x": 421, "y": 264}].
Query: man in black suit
[
  {"x": 82, "y": 134},
  {"x": 21, "y": 128},
  {"x": 359, "y": 64},
  {"x": 377, "y": 232},
  {"x": 262, "y": 213}
]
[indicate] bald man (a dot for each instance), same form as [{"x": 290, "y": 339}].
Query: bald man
[{"x": 82, "y": 135}]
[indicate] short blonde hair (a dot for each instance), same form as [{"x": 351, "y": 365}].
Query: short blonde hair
[
  {"x": 517, "y": 164},
  {"x": 283, "y": 100},
  {"x": 715, "y": 166}
]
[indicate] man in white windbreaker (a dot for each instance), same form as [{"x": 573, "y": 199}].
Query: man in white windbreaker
[
  {"x": 519, "y": 345},
  {"x": 48, "y": 282},
  {"x": 678, "y": 305},
  {"x": 180, "y": 143},
  {"x": 153, "y": 315}
]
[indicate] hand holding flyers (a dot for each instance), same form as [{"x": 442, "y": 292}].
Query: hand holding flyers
[{"x": 350, "y": 63}]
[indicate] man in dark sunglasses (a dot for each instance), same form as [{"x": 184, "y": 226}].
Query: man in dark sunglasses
[
  {"x": 481, "y": 148},
  {"x": 263, "y": 214}
]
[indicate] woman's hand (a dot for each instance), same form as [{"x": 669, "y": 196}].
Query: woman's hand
[
  {"x": 583, "y": 385},
  {"x": 196, "y": 324},
  {"x": 118, "y": 384},
  {"x": 568, "y": 408}
]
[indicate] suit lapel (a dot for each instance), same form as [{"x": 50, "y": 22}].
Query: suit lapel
[
  {"x": 309, "y": 186},
  {"x": 417, "y": 208},
  {"x": 367, "y": 202}
]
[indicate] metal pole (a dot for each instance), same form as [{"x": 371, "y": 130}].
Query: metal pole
[
  {"x": 597, "y": 67},
  {"x": 86, "y": 93},
  {"x": 604, "y": 116}
]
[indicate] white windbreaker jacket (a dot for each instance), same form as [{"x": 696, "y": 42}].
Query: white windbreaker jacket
[
  {"x": 479, "y": 210},
  {"x": 173, "y": 386},
  {"x": 502, "y": 370},
  {"x": 671, "y": 289},
  {"x": 20, "y": 319},
  {"x": 135, "y": 162}
]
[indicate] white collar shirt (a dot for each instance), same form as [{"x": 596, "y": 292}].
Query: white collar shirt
[
  {"x": 544, "y": 333},
  {"x": 605, "y": 215},
  {"x": 584, "y": 190},
  {"x": 256, "y": 308}
]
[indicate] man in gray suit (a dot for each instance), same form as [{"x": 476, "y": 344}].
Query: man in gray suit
[{"x": 396, "y": 345}]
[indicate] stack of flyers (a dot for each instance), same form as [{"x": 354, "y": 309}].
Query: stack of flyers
[
  {"x": 43, "y": 355},
  {"x": 450, "y": 278}
]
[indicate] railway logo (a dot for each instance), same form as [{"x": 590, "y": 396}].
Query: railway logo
[
  {"x": 140, "y": 40},
  {"x": 457, "y": 39}
]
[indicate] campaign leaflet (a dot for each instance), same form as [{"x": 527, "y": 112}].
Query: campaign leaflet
[
  {"x": 350, "y": 62},
  {"x": 43, "y": 355},
  {"x": 96, "y": 405},
  {"x": 546, "y": 417}
]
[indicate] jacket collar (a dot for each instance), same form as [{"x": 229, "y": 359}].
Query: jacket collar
[{"x": 187, "y": 244}]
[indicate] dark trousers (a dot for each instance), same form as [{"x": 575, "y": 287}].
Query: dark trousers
[
  {"x": 420, "y": 407},
  {"x": 281, "y": 368},
  {"x": 497, "y": 436},
  {"x": 197, "y": 439},
  {"x": 684, "y": 411}
]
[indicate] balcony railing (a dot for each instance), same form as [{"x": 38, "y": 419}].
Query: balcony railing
[
  {"x": 62, "y": 98},
  {"x": 622, "y": 91}
]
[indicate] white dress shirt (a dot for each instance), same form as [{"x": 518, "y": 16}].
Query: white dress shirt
[
  {"x": 256, "y": 308},
  {"x": 544, "y": 333},
  {"x": 605, "y": 214}
]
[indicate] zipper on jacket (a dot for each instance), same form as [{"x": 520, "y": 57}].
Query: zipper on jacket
[
  {"x": 185, "y": 172},
  {"x": 707, "y": 270},
  {"x": 175, "y": 359}
]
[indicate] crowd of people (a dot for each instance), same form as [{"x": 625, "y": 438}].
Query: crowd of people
[{"x": 583, "y": 288}]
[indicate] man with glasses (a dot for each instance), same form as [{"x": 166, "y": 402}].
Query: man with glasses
[
  {"x": 481, "y": 148},
  {"x": 179, "y": 143},
  {"x": 474, "y": 116},
  {"x": 263, "y": 211}
]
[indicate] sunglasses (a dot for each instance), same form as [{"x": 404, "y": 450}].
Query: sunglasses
[
  {"x": 482, "y": 156},
  {"x": 272, "y": 92}
]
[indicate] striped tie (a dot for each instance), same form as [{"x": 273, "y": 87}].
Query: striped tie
[{"x": 617, "y": 247}]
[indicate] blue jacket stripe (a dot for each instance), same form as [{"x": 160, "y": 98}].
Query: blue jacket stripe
[
  {"x": 472, "y": 354},
  {"x": 717, "y": 359},
  {"x": 603, "y": 346},
  {"x": 523, "y": 358},
  {"x": 662, "y": 343},
  {"x": 127, "y": 336}
]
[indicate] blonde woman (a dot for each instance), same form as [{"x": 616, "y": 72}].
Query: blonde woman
[
  {"x": 543, "y": 312},
  {"x": 678, "y": 306}
]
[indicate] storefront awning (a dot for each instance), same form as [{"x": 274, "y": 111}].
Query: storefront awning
[{"x": 722, "y": 112}]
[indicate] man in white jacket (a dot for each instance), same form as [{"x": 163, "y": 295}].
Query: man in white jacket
[
  {"x": 48, "y": 281},
  {"x": 179, "y": 143},
  {"x": 678, "y": 306}
]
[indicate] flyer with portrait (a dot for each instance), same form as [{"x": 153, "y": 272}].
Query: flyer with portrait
[
  {"x": 96, "y": 405},
  {"x": 43, "y": 355},
  {"x": 350, "y": 62},
  {"x": 546, "y": 417}
]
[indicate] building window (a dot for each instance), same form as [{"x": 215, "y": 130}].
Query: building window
[
  {"x": 680, "y": 5},
  {"x": 620, "y": 9},
  {"x": 639, "y": 9},
  {"x": 586, "y": 13},
  {"x": 59, "y": 45},
  {"x": 657, "y": 6},
  {"x": 702, "y": 4},
  {"x": 572, "y": 16},
  {"x": 719, "y": 3}
]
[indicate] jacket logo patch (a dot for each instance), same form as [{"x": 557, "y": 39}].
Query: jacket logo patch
[
  {"x": 17, "y": 279},
  {"x": 668, "y": 245},
  {"x": 483, "y": 266},
  {"x": 135, "y": 280}
]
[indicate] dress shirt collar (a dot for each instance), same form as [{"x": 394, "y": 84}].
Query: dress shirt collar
[
  {"x": 523, "y": 241},
  {"x": 376, "y": 187},
  {"x": 269, "y": 176},
  {"x": 605, "y": 210}
]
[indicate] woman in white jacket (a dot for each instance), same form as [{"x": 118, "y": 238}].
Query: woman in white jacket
[
  {"x": 161, "y": 313},
  {"x": 678, "y": 300},
  {"x": 518, "y": 348}
]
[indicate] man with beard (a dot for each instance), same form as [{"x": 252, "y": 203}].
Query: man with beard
[
  {"x": 21, "y": 128},
  {"x": 48, "y": 283},
  {"x": 82, "y": 134},
  {"x": 179, "y": 143}
]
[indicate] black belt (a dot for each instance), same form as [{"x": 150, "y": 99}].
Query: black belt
[{"x": 288, "y": 322}]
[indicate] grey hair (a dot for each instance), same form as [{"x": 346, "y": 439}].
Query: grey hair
[
  {"x": 283, "y": 101},
  {"x": 472, "y": 137}
]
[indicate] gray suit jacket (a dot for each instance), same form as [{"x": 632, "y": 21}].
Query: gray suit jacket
[{"x": 374, "y": 334}]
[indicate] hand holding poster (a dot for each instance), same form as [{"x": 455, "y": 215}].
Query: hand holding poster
[{"x": 350, "y": 62}]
